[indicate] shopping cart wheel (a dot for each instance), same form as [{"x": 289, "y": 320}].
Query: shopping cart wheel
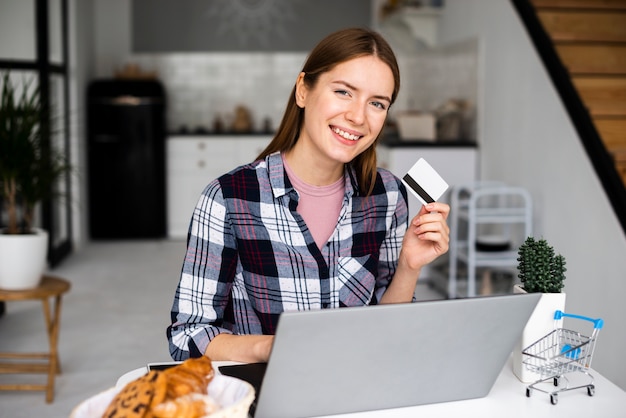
[
  {"x": 528, "y": 392},
  {"x": 591, "y": 390},
  {"x": 557, "y": 380},
  {"x": 554, "y": 399}
]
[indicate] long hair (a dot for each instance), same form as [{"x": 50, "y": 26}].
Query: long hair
[{"x": 336, "y": 48}]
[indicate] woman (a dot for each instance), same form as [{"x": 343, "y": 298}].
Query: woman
[{"x": 312, "y": 223}]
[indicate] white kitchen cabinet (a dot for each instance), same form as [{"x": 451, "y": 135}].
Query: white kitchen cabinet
[
  {"x": 193, "y": 161},
  {"x": 456, "y": 164}
]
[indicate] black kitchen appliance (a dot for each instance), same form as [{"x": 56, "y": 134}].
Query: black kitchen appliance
[{"x": 126, "y": 159}]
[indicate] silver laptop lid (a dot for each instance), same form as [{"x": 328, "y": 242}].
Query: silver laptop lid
[{"x": 368, "y": 358}]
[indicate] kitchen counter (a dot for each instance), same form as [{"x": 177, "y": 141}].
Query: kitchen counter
[
  {"x": 392, "y": 140},
  {"x": 389, "y": 139},
  {"x": 209, "y": 134}
]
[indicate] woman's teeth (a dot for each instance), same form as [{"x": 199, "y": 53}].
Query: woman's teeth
[{"x": 346, "y": 135}]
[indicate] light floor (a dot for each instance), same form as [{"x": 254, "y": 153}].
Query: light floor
[{"x": 113, "y": 320}]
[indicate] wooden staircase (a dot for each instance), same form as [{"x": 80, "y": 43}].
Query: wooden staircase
[{"x": 590, "y": 39}]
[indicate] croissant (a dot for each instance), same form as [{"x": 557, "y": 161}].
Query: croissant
[
  {"x": 136, "y": 397},
  {"x": 201, "y": 365},
  {"x": 182, "y": 382},
  {"x": 177, "y": 392}
]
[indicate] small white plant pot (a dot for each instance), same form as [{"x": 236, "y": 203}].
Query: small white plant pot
[
  {"x": 22, "y": 259},
  {"x": 540, "y": 323}
]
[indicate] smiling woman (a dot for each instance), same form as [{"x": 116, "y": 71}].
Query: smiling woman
[
  {"x": 338, "y": 50},
  {"x": 312, "y": 223}
]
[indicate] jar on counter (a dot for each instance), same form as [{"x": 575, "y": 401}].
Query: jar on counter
[{"x": 218, "y": 124}]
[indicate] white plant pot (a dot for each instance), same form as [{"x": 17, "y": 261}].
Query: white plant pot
[
  {"x": 22, "y": 259},
  {"x": 540, "y": 324}
]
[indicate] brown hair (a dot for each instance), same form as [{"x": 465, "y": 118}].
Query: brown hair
[{"x": 335, "y": 49}]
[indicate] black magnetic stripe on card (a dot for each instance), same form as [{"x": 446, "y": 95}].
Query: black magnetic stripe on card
[{"x": 417, "y": 188}]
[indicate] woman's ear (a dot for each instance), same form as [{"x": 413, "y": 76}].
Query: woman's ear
[{"x": 301, "y": 91}]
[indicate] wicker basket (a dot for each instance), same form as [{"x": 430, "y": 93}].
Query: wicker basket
[{"x": 233, "y": 395}]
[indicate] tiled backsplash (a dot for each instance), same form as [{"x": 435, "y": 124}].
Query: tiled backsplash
[
  {"x": 433, "y": 76},
  {"x": 203, "y": 86}
]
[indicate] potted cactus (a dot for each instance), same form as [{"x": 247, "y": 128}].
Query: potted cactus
[{"x": 540, "y": 271}]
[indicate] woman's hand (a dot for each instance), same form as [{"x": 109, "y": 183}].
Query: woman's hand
[
  {"x": 242, "y": 348},
  {"x": 427, "y": 237}
]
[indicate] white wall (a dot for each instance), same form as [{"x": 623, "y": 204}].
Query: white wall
[
  {"x": 527, "y": 139},
  {"x": 112, "y": 39}
]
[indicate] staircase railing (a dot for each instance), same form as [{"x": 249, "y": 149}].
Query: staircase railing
[{"x": 599, "y": 156}]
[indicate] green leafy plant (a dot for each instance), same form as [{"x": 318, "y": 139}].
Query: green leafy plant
[
  {"x": 29, "y": 167},
  {"x": 540, "y": 270}
]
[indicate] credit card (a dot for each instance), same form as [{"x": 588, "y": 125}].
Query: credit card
[{"x": 424, "y": 182}]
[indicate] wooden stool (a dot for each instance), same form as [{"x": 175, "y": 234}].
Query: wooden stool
[{"x": 49, "y": 287}]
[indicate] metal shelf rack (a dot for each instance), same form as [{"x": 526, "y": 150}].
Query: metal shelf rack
[{"x": 486, "y": 223}]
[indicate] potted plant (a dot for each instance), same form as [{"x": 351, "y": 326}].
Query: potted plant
[
  {"x": 540, "y": 271},
  {"x": 29, "y": 169}
]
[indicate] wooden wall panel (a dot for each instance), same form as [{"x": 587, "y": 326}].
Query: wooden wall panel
[
  {"x": 582, "y": 4},
  {"x": 583, "y": 26},
  {"x": 603, "y": 95},
  {"x": 593, "y": 59},
  {"x": 612, "y": 131}
]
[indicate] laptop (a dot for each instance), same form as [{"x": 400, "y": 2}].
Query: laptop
[{"x": 387, "y": 356}]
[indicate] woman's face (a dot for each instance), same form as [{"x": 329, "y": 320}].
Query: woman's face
[{"x": 346, "y": 109}]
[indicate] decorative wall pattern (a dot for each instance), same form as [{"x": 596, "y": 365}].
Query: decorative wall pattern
[{"x": 240, "y": 25}]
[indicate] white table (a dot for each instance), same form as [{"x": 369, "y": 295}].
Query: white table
[{"x": 506, "y": 399}]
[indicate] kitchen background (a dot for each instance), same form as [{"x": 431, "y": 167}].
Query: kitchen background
[
  {"x": 205, "y": 87},
  {"x": 238, "y": 82}
]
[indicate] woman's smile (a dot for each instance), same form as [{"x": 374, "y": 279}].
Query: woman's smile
[{"x": 345, "y": 134}]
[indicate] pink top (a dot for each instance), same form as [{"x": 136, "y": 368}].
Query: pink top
[{"x": 319, "y": 206}]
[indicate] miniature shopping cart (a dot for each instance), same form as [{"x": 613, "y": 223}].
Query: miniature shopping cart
[{"x": 560, "y": 353}]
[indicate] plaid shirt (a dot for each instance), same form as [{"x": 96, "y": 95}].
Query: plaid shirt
[{"x": 250, "y": 255}]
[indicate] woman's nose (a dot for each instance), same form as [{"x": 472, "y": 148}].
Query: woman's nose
[{"x": 356, "y": 113}]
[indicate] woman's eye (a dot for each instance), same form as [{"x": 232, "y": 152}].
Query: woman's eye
[
  {"x": 380, "y": 105},
  {"x": 342, "y": 92}
]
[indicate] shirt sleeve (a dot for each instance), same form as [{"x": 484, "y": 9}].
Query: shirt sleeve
[
  {"x": 397, "y": 219},
  {"x": 209, "y": 267}
]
